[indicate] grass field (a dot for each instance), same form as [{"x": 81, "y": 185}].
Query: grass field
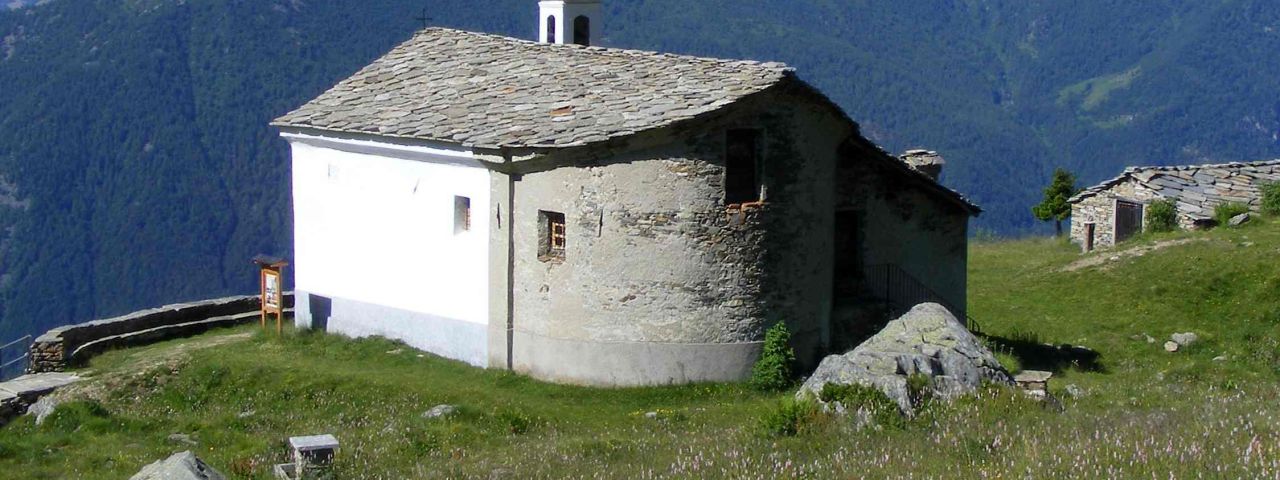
[{"x": 1207, "y": 411}]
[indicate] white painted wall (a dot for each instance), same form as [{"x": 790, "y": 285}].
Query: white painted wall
[{"x": 374, "y": 223}]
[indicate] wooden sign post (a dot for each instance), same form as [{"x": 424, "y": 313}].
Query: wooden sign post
[{"x": 271, "y": 281}]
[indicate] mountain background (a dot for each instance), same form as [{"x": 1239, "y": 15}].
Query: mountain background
[{"x": 137, "y": 167}]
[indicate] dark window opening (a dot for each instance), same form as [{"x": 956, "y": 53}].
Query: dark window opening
[
  {"x": 551, "y": 29},
  {"x": 848, "y": 255},
  {"x": 742, "y": 167},
  {"x": 582, "y": 31},
  {"x": 461, "y": 214},
  {"x": 551, "y": 236}
]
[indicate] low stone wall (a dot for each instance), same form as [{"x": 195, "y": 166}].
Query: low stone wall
[
  {"x": 10, "y": 406},
  {"x": 61, "y": 347}
]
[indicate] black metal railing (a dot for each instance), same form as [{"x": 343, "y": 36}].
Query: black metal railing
[
  {"x": 14, "y": 357},
  {"x": 902, "y": 291}
]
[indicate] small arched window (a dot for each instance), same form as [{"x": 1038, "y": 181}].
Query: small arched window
[
  {"x": 551, "y": 29},
  {"x": 582, "y": 30}
]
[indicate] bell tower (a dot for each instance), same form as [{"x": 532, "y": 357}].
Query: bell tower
[{"x": 570, "y": 22}]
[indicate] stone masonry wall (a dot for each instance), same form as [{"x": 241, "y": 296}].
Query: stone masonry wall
[
  {"x": 1100, "y": 210},
  {"x": 655, "y": 256},
  {"x": 902, "y": 225}
]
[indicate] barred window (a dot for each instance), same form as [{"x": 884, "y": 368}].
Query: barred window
[{"x": 551, "y": 229}]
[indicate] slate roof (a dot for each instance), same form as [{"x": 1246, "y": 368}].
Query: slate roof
[
  {"x": 489, "y": 91},
  {"x": 1198, "y": 188}
]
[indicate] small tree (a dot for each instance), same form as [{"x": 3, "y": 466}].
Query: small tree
[
  {"x": 1162, "y": 216},
  {"x": 773, "y": 370},
  {"x": 1054, "y": 207}
]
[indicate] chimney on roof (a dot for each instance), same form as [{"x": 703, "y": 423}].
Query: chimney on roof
[
  {"x": 570, "y": 21},
  {"x": 925, "y": 161}
]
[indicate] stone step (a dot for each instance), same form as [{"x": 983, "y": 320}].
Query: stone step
[
  {"x": 31, "y": 387},
  {"x": 18, "y": 394}
]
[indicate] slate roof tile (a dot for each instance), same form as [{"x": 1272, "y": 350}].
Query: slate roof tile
[{"x": 490, "y": 91}]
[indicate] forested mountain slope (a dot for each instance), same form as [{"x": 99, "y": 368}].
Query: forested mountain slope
[{"x": 138, "y": 168}]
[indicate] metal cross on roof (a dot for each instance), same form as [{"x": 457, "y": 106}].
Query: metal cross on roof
[{"x": 424, "y": 18}]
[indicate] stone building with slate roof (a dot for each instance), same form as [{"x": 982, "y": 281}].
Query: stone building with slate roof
[
  {"x": 596, "y": 215},
  {"x": 1114, "y": 211}
]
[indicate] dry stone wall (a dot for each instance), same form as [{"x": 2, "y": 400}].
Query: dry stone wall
[
  {"x": 62, "y": 347},
  {"x": 1100, "y": 210}
]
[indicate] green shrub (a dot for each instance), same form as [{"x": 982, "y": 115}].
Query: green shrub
[
  {"x": 1271, "y": 198},
  {"x": 772, "y": 372},
  {"x": 1224, "y": 212},
  {"x": 1162, "y": 216},
  {"x": 790, "y": 417}
]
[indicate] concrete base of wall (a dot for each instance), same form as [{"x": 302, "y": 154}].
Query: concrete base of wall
[
  {"x": 447, "y": 337},
  {"x": 631, "y": 364}
]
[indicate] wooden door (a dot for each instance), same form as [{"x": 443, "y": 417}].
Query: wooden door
[{"x": 1128, "y": 220}]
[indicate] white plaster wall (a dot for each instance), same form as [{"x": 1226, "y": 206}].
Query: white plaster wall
[{"x": 380, "y": 230}]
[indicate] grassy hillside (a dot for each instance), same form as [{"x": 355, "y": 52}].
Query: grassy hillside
[
  {"x": 137, "y": 168},
  {"x": 1143, "y": 412}
]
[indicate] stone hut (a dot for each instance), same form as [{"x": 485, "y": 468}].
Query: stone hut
[
  {"x": 599, "y": 216},
  {"x": 1115, "y": 210}
]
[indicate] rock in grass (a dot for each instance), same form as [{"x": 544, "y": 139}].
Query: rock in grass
[
  {"x": 42, "y": 408},
  {"x": 1240, "y": 219},
  {"x": 180, "y": 466},
  {"x": 927, "y": 341},
  {"x": 1185, "y": 339},
  {"x": 1074, "y": 391},
  {"x": 182, "y": 438},
  {"x": 440, "y": 411},
  {"x": 1171, "y": 347}
]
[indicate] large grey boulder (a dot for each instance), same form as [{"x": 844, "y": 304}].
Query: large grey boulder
[
  {"x": 928, "y": 340},
  {"x": 180, "y": 466}
]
